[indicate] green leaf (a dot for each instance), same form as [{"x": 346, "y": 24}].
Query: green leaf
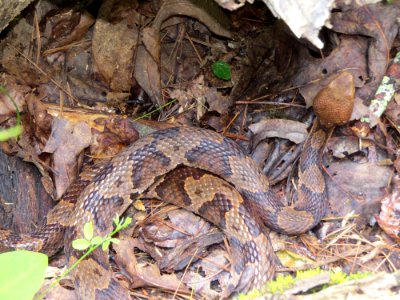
[
  {"x": 97, "y": 240},
  {"x": 80, "y": 244},
  {"x": 88, "y": 231},
  {"x": 11, "y": 132},
  {"x": 116, "y": 220},
  {"x": 21, "y": 274},
  {"x": 221, "y": 70},
  {"x": 105, "y": 245},
  {"x": 127, "y": 222},
  {"x": 338, "y": 277},
  {"x": 280, "y": 284},
  {"x": 115, "y": 241},
  {"x": 16, "y": 130},
  {"x": 359, "y": 275}
]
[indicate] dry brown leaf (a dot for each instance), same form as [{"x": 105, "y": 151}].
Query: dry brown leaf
[
  {"x": 376, "y": 21},
  {"x": 184, "y": 225},
  {"x": 355, "y": 54},
  {"x": 66, "y": 143},
  {"x": 217, "y": 102},
  {"x": 144, "y": 274},
  {"x": 189, "y": 92},
  {"x": 356, "y": 188},
  {"x": 147, "y": 62},
  {"x": 58, "y": 292},
  {"x": 343, "y": 145},
  {"x": 114, "y": 43},
  {"x": 42, "y": 119},
  {"x": 16, "y": 90},
  {"x": 182, "y": 239},
  {"x": 66, "y": 27},
  {"x": 207, "y": 12},
  {"x": 189, "y": 250},
  {"x": 348, "y": 56},
  {"x": 288, "y": 129},
  {"x": 212, "y": 268},
  {"x": 188, "y": 221}
]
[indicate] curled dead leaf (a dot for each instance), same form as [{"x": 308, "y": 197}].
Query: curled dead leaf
[
  {"x": 288, "y": 129},
  {"x": 66, "y": 142}
]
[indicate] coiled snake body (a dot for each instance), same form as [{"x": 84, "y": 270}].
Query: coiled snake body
[{"x": 109, "y": 189}]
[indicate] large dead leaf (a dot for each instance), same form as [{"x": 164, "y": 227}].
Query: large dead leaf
[
  {"x": 189, "y": 251},
  {"x": 147, "y": 63},
  {"x": 314, "y": 73},
  {"x": 66, "y": 143},
  {"x": 353, "y": 187},
  {"x": 376, "y": 21},
  {"x": 342, "y": 146},
  {"x": 175, "y": 243},
  {"x": 66, "y": 27},
  {"x": 114, "y": 42},
  {"x": 144, "y": 274},
  {"x": 204, "y": 282},
  {"x": 287, "y": 129}
]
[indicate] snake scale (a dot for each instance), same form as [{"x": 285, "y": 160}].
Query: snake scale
[{"x": 239, "y": 200}]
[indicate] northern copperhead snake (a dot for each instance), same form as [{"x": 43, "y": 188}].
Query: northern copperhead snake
[{"x": 106, "y": 190}]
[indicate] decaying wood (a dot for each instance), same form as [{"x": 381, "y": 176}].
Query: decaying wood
[{"x": 22, "y": 193}]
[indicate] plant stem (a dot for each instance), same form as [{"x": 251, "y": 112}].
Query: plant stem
[{"x": 91, "y": 249}]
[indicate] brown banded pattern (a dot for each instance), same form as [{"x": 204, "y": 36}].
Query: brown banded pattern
[
  {"x": 110, "y": 188},
  {"x": 221, "y": 204}
]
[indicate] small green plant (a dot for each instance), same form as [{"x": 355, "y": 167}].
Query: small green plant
[
  {"x": 338, "y": 277},
  {"x": 280, "y": 284},
  {"x": 16, "y": 130},
  {"x": 21, "y": 268},
  {"x": 300, "y": 275},
  {"x": 221, "y": 70},
  {"x": 89, "y": 243},
  {"x": 253, "y": 294},
  {"x": 359, "y": 275}
]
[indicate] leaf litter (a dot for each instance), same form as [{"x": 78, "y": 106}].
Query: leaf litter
[{"x": 80, "y": 74}]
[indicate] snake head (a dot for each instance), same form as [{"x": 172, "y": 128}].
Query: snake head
[{"x": 334, "y": 103}]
